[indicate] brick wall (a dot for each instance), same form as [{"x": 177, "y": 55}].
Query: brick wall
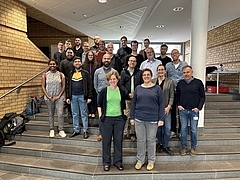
[
  {"x": 20, "y": 59},
  {"x": 223, "y": 45}
]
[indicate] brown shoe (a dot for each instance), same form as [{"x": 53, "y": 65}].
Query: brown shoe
[
  {"x": 99, "y": 138},
  {"x": 124, "y": 137},
  {"x": 133, "y": 138}
]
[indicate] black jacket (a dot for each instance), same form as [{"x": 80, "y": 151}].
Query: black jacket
[
  {"x": 87, "y": 85},
  {"x": 125, "y": 80},
  {"x": 102, "y": 102}
]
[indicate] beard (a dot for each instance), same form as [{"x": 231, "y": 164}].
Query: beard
[{"x": 106, "y": 64}]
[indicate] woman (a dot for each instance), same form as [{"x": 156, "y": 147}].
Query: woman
[
  {"x": 147, "y": 112},
  {"x": 53, "y": 86},
  {"x": 90, "y": 64},
  {"x": 112, "y": 113},
  {"x": 167, "y": 86}
]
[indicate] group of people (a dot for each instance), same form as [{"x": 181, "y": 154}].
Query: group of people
[{"x": 136, "y": 95}]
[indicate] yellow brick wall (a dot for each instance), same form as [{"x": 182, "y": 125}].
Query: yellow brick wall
[
  {"x": 223, "y": 47},
  {"x": 20, "y": 59}
]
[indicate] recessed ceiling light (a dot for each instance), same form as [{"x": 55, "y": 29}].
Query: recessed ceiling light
[
  {"x": 178, "y": 9},
  {"x": 102, "y": 1},
  {"x": 85, "y": 15},
  {"x": 160, "y": 26}
]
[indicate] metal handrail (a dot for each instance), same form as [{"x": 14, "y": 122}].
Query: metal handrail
[{"x": 20, "y": 85}]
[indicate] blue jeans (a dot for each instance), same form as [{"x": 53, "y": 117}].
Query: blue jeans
[
  {"x": 186, "y": 115},
  {"x": 146, "y": 134},
  {"x": 163, "y": 132},
  {"x": 79, "y": 107}
]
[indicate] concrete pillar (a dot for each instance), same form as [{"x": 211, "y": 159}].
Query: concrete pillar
[{"x": 199, "y": 28}]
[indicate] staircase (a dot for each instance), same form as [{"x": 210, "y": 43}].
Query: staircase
[{"x": 77, "y": 158}]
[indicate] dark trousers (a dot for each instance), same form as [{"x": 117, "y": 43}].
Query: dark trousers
[
  {"x": 112, "y": 126},
  {"x": 174, "y": 113},
  {"x": 92, "y": 106}
]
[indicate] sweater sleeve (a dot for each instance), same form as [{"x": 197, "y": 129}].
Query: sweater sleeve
[
  {"x": 161, "y": 105},
  {"x": 201, "y": 95},
  {"x": 133, "y": 106}
]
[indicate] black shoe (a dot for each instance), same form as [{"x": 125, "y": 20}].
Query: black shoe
[
  {"x": 159, "y": 148},
  {"x": 85, "y": 135},
  {"x": 106, "y": 168},
  {"x": 73, "y": 134},
  {"x": 120, "y": 167},
  {"x": 168, "y": 151}
]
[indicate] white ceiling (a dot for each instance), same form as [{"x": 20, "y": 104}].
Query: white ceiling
[{"x": 137, "y": 19}]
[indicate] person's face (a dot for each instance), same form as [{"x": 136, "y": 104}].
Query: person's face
[
  {"x": 77, "y": 63},
  {"x": 106, "y": 60},
  {"x": 132, "y": 62},
  {"x": 124, "y": 42},
  {"x": 187, "y": 73},
  {"x": 113, "y": 80},
  {"x": 101, "y": 46},
  {"x": 110, "y": 48},
  {"x": 150, "y": 54},
  {"x": 161, "y": 71},
  {"x": 175, "y": 54},
  {"x": 68, "y": 45},
  {"x": 52, "y": 66},
  {"x": 78, "y": 41},
  {"x": 86, "y": 47},
  {"x": 90, "y": 56},
  {"x": 96, "y": 40},
  {"x": 69, "y": 54},
  {"x": 147, "y": 77},
  {"x": 163, "y": 50},
  {"x": 60, "y": 46},
  {"x": 146, "y": 44},
  {"x": 134, "y": 46}
]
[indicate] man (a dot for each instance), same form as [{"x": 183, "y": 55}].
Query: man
[
  {"x": 174, "y": 72},
  {"x": 124, "y": 50},
  {"x": 101, "y": 52},
  {"x": 190, "y": 100},
  {"x": 146, "y": 44},
  {"x": 139, "y": 57},
  {"x": 85, "y": 50},
  {"x": 151, "y": 63},
  {"x": 163, "y": 57},
  {"x": 100, "y": 80},
  {"x": 131, "y": 77},
  {"x": 79, "y": 94},
  {"x": 66, "y": 66},
  {"x": 115, "y": 60},
  {"x": 68, "y": 44},
  {"x": 58, "y": 56},
  {"x": 78, "y": 50},
  {"x": 95, "y": 47}
]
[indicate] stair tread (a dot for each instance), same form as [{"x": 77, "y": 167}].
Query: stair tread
[
  {"x": 97, "y": 152},
  {"x": 94, "y": 169},
  {"x": 221, "y": 125}
]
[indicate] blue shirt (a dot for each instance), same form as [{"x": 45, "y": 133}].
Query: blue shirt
[
  {"x": 152, "y": 65},
  {"x": 175, "y": 73}
]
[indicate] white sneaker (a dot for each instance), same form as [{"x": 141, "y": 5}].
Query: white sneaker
[
  {"x": 51, "y": 134},
  {"x": 62, "y": 134},
  {"x": 173, "y": 134}
]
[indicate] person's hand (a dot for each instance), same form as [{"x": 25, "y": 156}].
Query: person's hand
[
  {"x": 132, "y": 122},
  {"x": 166, "y": 110},
  {"x": 180, "y": 108},
  {"x": 68, "y": 101},
  {"x": 195, "y": 109},
  {"x": 130, "y": 95},
  {"x": 88, "y": 101},
  {"x": 160, "y": 123}
]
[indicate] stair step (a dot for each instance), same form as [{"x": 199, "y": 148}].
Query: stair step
[
  {"x": 163, "y": 170},
  {"x": 222, "y": 127},
  {"x": 206, "y": 140},
  {"x": 94, "y": 155}
]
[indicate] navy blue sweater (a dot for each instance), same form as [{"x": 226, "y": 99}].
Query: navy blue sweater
[
  {"x": 190, "y": 95},
  {"x": 147, "y": 104}
]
